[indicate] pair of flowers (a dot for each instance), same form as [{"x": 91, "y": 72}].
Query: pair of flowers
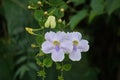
[{"x": 61, "y": 43}]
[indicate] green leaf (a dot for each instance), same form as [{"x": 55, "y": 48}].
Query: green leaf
[
  {"x": 58, "y": 13},
  {"x": 47, "y": 62},
  {"x": 78, "y": 2},
  {"x": 38, "y": 14},
  {"x": 42, "y": 73},
  {"x": 112, "y": 5},
  {"x": 58, "y": 66},
  {"x": 97, "y": 6},
  {"x": 21, "y": 59},
  {"x": 77, "y": 18},
  {"x": 92, "y": 15},
  {"x": 67, "y": 67},
  {"x": 21, "y": 71},
  {"x": 97, "y": 9},
  {"x": 39, "y": 39},
  {"x": 56, "y": 2},
  {"x": 38, "y": 61},
  {"x": 60, "y": 78},
  {"x": 33, "y": 66}
]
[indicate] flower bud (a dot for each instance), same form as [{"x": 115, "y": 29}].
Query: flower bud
[
  {"x": 47, "y": 23},
  {"x": 45, "y": 13},
  {"x": 50, "y": 22},
  {"x": 62, "y": 9},
  {"x": 39, "y": 2},
  {"x": 33, "y": 45},
  {"x": 29, "y": 30},
  {"x": 29, "y": 7},
  {"x": 53, "y": 24},
  {"x": 59, "y": 20}
]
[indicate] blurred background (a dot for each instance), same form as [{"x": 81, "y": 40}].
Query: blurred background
[{"x": 97, "y": 20}]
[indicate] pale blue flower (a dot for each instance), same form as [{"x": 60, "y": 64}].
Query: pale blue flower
[
  {"x": 79, "y": 45},
  {"x": 57, "y": 44}
]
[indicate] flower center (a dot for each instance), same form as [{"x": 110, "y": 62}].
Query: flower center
[
  {"x": 75, "y": 44},
  {"x": 57, "y": 45}
]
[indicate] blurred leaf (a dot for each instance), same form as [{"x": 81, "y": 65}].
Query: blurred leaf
[
  {"x": 56, "y": 2},
  {"x": 39, "y": 62},
  {"x": 60, "y": 78},
  {"x": 38, "y": 14},
  {"x": 33, "y": 1},
  {"x": 39, "y": 39},
  {"x": 58, "y": 66},
  {"x": 58, "y": 13},
  {"x": 77, "y": 18},
  {"x": 21, "y": 59},
  {"x": 42, "y": 73},
  {"x": 97, "y": 8},
  {"x": 5, "y": 71},
  {"x": 21, "y": 71},
  {"x": 112, "y": 5},
  {"x": 47, "y": 62},
  {"x": 78, "y": 2},
  {"x": 33, "y": 66},
  {"x": 67, "y": 67},
  {"x": 92, "y": 15}
]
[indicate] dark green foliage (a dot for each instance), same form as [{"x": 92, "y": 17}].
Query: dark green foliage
[{"x": 77, "y": 18}]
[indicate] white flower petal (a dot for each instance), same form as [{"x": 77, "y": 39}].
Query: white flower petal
[
  {"x": 67, "y": 46},
  {"x": 50, "y": 36},
  {"x": 47, "y": 47},
  {"x": 61, "y": 36},
  {"x": 57, "y": 56},
  {"x": 75, "y": 55},
  {"x": 74, "y": 36},
  {"x": 83, "y": 45}
]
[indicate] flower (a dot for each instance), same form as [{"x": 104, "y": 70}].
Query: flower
[
  {"x": 56, "y": 44},
  {"x": 51, "y": 22},
  {"x": 79, "y": 45}
]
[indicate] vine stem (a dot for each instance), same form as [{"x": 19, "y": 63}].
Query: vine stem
[
  {"x": 43, "y": 78},
  {"x": 62, "y": 70}
]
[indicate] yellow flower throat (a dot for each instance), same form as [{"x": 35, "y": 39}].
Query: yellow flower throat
[
  {"x": 56, "y": 43},
  {"x": 75, "y": 42}
]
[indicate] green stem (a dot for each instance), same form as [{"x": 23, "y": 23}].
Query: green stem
[
  {"x": 38, "y": 29},
  {"x": 43, "y": 78},
  {"x": 62, "y": 70}
]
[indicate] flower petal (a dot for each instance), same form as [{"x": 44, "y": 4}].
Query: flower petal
[
  {"x": 67, "y": 46},
  {"x": 57, "y": 56},
  {"x": 61, "y": 36},
  {"x": 47, "y": 47},
  {"x": 83, "y": 45},
  {"x": 75, "y": 55},
  {"x": 50, "y": 36},
  {"x": 74, "y": 36}
]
